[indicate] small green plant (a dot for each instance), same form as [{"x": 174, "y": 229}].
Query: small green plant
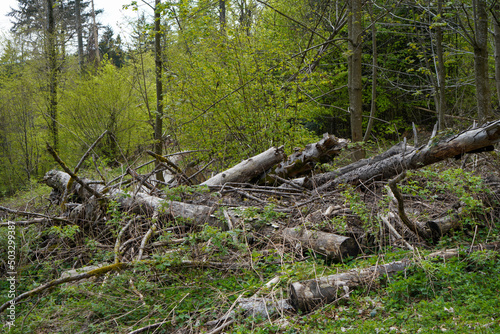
[
  {"x": 261, "y": 217},
  {"x": 358, "y": 206},
  {"x": 64, "y": 232},
  {"x": 430, "y": 185},
  {"x": 179, "y": 193}
]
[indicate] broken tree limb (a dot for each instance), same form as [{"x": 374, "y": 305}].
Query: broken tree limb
[
  {"x": 59, "y": 281},
  {"x": 437, "y": 150},
  {"x": 417, "y": 228},
  {"x": 140, "y": 203},
  {"x": 333, "y": 246},
  {"x": 392, "y": 230},
  {"x": 29, "y": 214},
  {"x": 71, "y": 174},
  {"x": 320, "y": 179},
  {"x": 248, "y": 169},
  {"x": 303, "y": 161}
]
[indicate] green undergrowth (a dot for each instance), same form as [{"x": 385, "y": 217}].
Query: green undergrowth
[
  {"x": 201, "y": 278},
  {"x": 458, "y": 295}
]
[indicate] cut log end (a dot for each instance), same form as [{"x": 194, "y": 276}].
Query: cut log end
[{"x": 334, "y": 247}]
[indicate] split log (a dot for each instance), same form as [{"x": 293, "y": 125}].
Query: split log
[
  {"x": 248, "y": 169},
  {"x": 303, "y": 161},
  {"x": 334, "y": 247},
  {"x": 307, "y": 295},
  {"x": 473, "y": 140},
  {"x": 140, "y": 203}
]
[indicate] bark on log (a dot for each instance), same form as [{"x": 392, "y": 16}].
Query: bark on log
[
  {"x": 303, "y": 161},
  {"x": 248, "y": 169},
  {"x": 437, "y": 150},
  {"x": 141, "y": 203},
  {"x": 441, "y": 226},
  {"x": 307, "y": 295},
  {"x": 334, "y": 247}
]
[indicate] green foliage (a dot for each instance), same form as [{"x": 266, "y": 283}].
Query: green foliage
[
  {"x": 358, "y": 206},
  {"x": 67, "y": 232},
  {"x": 104, "y": 101},
  {"x": 261, "y": 217},
  {"x": 181, "y": 192},
  {"x": 467, "y": 188}
]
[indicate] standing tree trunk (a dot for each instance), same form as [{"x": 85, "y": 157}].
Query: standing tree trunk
[
  {"x": 52, "y": 68},
  {"x": 158, "y": 134},
  {"x": 96, "y": 38},
  {"x": 222, "y": 15},
  {"x": 496, "y": 24},
  {"x": 481, "y": 59},
  {"x": 355, "y": 84},
  {"x": 79, "y": 33},
  {"x": 374, "y": 77},
  {"x": 441, "y": 74}
]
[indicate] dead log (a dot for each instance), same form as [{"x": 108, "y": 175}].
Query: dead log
[
  {"x": 140, "y": 203},
  {"x": 412, "y": 158},
  {"x": 416, "y": 227},
  {"x": 303, "y": 161},
  {"x": 248, "y": 169},
  {"x": 442, "y": 225},
  {"x": 333, "y": 246},
  {"x": 307, "y": 295}
]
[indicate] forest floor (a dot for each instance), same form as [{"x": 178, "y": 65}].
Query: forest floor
[{"x": 192, "y": 278}]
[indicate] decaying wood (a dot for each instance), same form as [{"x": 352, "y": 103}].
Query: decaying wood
[
  {"x": 417, "y": 228},
  {"x": 303, "y": 161},
  {"x": 392, "y": 230},
  {"x": 72, "y": 176},
  {"x": 320, "y": 179},
  {"x": 333, "y": 246},
  {"x": 442, "y": 225},
  {"x": 309, "y": 294},
  {"x": 248, "y": 169},
  {"x": 42, "y": 217},
  {"x": 435, "y": 151},
  {"x": 140, "y": 203},
  {"x": 59, "y": 281}
]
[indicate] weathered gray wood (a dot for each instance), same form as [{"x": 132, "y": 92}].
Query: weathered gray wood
[
  {"x": 248, "y": 169},
  {"x": 303, "y": 161},
  {"x": 442, "y": 225},
  {"x": 333, "y": 246},
  {"x": 437, "y": 150},
  {"x": 307, "y": 295},
  {"x": 140, "y": 203}
]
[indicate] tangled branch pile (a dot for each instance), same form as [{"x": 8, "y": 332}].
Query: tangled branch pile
[{"x": 270, "y": 203}]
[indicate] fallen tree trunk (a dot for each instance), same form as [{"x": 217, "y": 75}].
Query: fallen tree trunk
[
  {"x": 333, "y": 246},
  {"x": 248, "y": 169},
  {"x": 140, "y": 203},
  {"x": 303, "y": 161},
  {"x": 309, "y": 294},
  {"x": 413, "y": 158}
]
